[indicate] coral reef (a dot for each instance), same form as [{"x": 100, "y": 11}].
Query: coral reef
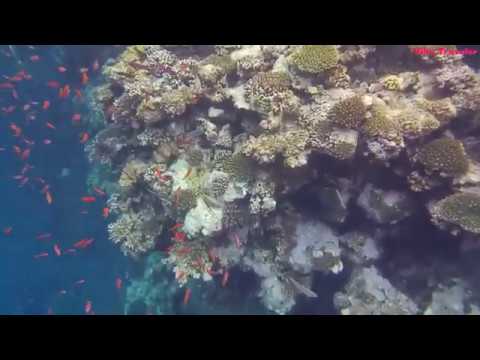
[{"x": 296, "y": 165}]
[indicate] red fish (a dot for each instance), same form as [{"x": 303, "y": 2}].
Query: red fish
[
  {"x": 17, "y": 131},
  {"x": 105, "y": 212},
  {"x": 99, "y": 191},
  {"x": 9, "y": 109},
  {"x": 49, "y": 198},
  {"x": 34, "y": 58},
  {"x": 40, "y": 255},
  {"x": 6, "y": 85},
  {"x": 84, "y": 136},
  {"x": 7, "y": 231},
  {"x": 225, "y": 277},
  {"x": 176, "y": 226},
  {"x": 212, "y": 255},
  {"x": 17, "y": 150},
  {"x": 78, "y": 94},
  {"x": 80, "y": 282},
  {"x": 26, "y": 168},
  {"x": 46, "y": 105},
  {"x": 14, "y": 94},
  {"x": 57, "y": 250},
  {"x": 238, "y": 243},
  {"x": 25, "y": 154},
  {"x": 28, "y": 142},
  {"x": 118, "y": 283},
  {"x": 47, "y": 141},
  {"x": 44, "y": 236},
  {"x": 84, "y": 243},
  {"x": 26, "y": 107},
  {"x": 88, "y": 307},
  {"x": 50, "y": 125},
  {"x": 53, "y": 84},
  {"x": 23, "y": 182},
  {"x": 61, "y": 69},
  {"x": 84, "y": 78},
  {"x": 179, "y": 236},
  {"x": 95, "y": 65},
  {"x": 64, "y": 92},
  {"x": 88, "y": 199},
  {"x": 76, "y": 117},
  {"x": 186, "y": 296}
]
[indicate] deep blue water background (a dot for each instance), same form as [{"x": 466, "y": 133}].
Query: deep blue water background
[{"x": 28, "y": 285}]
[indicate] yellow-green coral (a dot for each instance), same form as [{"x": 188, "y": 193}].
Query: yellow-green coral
[
  {"x": 349, "y": 113},
  {"x": 315, "y": 59},
  {"x": 442, "y": 109},
  {"x": 446, "y": 156},
  {"x": 292, "y": 144},
  {"x": 270, "y": 92},
  {"x": 462, "y": 209},
  {"x": 416, "y": 122},
  {"x": 380, "y": 124},
  {"x": 122, "y": 68},
  {"x": 392, "y": 82},
  {"x": 131, "y": 173},
  {"x": 130, "y": 232}
]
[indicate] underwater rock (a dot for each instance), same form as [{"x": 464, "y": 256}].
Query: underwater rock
[
  {"x": 316, "y": 248},
  {"x": 360, "y": 248},
  {"x": 368, "y": 293},
  {"x": 449, "y": 300},
  {"x": 385, "y": 206}
]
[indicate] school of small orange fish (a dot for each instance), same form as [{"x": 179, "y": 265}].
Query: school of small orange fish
[{"x": 56, "y": 91}]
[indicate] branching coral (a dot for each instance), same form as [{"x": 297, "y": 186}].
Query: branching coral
[
  {"x": 349, "y": 113},
  {"x": 446, "y": 156},
  {"x": 130, "y": 231},
  {"x": 315, "y": 59}
]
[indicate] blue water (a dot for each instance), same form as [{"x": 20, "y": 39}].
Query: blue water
[{"x": 47, "y": 284}]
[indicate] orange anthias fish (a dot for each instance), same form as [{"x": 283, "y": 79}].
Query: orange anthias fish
[
  {"x": 50, "y": 125},
  {"x": 99, "y": 191},
  {"x": 76, "y": 117},
  {"x": 34, "y": 58},
  {"x": 186, "y": 296},
  {"x": 17, "y": 131},
  {"x": 44, "y": 236},
  {"x": 64, "y": 92},
  {"x": 80, "y": 282},
  {"x": 105, "y": 212},
  {"x": 88, "y": 307},
  {"x": 7, "y": 231},
  {"x": 46, "y": 105},
  {"x": 88, "y": 199},
  {"x": 84, "y": 78},
  {"x": 53, "y": 84},
  {"x": 47, "y": 141},
  {"x": 61, "y": 69},
  {"x": 14, "y": 94},
  {"x": 57, "y": 250},
  {"x": 179, "y": 236},
  {"x": 25, "y": 154},
  {"x": 118, "y": 283},
  {"x": 84, "y": 243},
  {"x": 95, "y": 65},
  {"x": 176, "y": 226},
  {"x": 225, "y": 277},
  {"x": 78, "y": 94},
  {"x": 84, "y": 136},
  {"x": 49, "y": 198},
  {"x": 42, "y": 254}
]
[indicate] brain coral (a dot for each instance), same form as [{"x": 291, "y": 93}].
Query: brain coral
[{"x": 444, "y": 155}]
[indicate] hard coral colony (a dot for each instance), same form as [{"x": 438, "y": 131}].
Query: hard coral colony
[{"x": 271, "y": 160}]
